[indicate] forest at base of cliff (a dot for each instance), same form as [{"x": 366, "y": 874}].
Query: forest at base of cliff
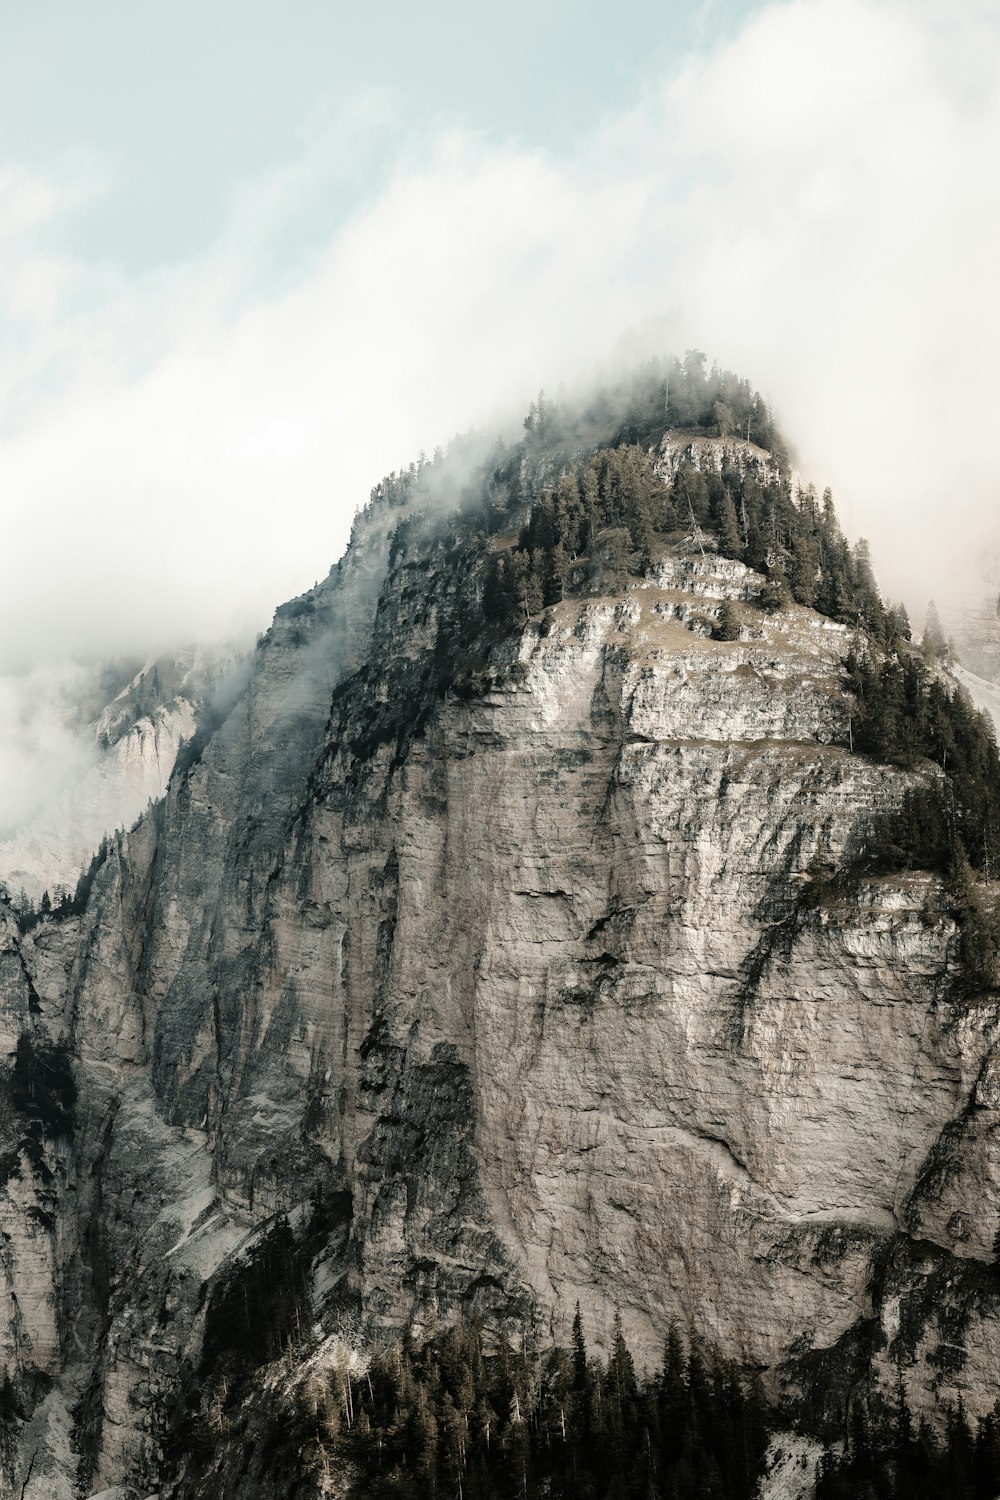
[{"x": 441, "y": 1417}]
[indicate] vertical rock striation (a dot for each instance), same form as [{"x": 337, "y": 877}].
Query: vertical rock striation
[{"x": 493, "y": 1002}]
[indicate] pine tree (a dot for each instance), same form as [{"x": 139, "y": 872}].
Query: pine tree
[
  {"x": 724, "y": 419},
  {"x": 622, "y": 1386},
  {"x": 527, "y": 585},
  {"x": 730, "y": 540},
  {"x": 979, "y": 934},
  {"x": 774, "y": 595},
  {"x": 609, "y": 560},
  {"x": 933, "y": 643},
  {"x": 558, "y": 574},
  {"x": 803, "y": 570},
  {"x": 729, "y": 627},
  {"x": 900, "y": 622}
]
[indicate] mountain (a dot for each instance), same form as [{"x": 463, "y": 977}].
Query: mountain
[
  {"x": 975, "y": 630},
  {"x": 126, "y": 744},
  {"x": 537, "y": 922}
]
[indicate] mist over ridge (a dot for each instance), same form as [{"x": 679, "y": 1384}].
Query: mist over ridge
[{"x": 62, "y": 792}]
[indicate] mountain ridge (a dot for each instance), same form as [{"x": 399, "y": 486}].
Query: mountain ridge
[{"x": 496, "y": 963}]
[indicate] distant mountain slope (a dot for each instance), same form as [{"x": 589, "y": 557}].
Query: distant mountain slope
[{"x": 126, "y": 754}]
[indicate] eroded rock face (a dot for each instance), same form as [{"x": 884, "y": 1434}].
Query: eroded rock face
[
  {"x": 547, "y": 1003},
  {"x": 123, "y": 758}
]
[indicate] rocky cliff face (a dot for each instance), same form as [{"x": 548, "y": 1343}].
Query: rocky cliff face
[
  {"x": 554, "y": 998},
  {"x": 124, "y": 755}
]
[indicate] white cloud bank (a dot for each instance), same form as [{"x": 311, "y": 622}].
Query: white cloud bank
[{"x": 815, "y": 203}]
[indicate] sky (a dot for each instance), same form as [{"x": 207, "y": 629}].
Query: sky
[{"x": 252, "y": 257}]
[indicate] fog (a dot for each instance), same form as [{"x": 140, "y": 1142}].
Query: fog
[
  {"x": 814, "y": 201},
  {"x": 41, "y": 750}
]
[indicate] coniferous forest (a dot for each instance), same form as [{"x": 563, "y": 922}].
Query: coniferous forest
[
  {"x": 454, "y": 1416},
  {"x": 444, "y": 1419},
  {"x": 896, "y": 1458}
]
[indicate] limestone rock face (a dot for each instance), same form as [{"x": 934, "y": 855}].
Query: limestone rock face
[
  {"x": 555, "y": 997},
  {"x": 123, "y": 759}
]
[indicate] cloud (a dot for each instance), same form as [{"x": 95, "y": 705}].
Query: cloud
[
  {"x": 42, "y": 752},
  {"x": 814, "y": 202},
  {"x": 855, "y": 275}
]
